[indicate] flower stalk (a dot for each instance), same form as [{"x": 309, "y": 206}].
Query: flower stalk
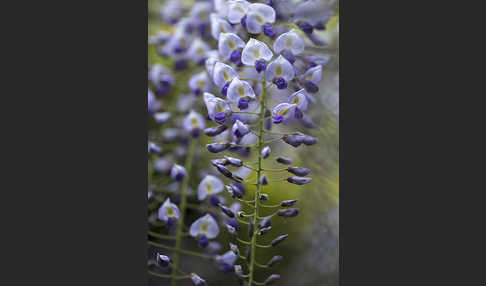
[{"x": 180, "y": 222}]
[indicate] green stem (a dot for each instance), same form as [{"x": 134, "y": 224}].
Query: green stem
[
  {"x": 257, "y": 193},
  {"x": 180, "y": 221}
]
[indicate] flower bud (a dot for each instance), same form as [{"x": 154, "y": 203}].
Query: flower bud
[
  {"x": 223, "y": 170},
  {"x": 217, "y": 147},
  {"x": 251, "y": 228},
  {"x": 234, "y": 248},
  {"x": 271, "y": 279},
  {"x": 284, "y": 160},
  {"x": 299, "y": 171},
  {"x": 298, "y": 180},
  {"x": 263, "y": 180},
  {"x": 213, "y": 131},
  {"x": 279, "y": 239},
  {"x": 154, "y": 148},
  {"x": 266, "y": 152},
  {"x": 263, "y": 197},
  {"x": 227, "y": 211},
  {"x": 234, "y": 223},
  {"x": 265, "y": 222},
  {"x": 231, "y": 229},
  {"x": 309, "y": 140},
  {"x": 162, "y": 260},
  {"x": 241, "y": 214},
  {"x": 288, "y": 203},
  {"x": 238, "y": 271},
  {"x": 216, "y": 162},
  {"x": 264, "y": 230},
  {"x": 196, "y": 280},
  {"x": 292, "y": 140},
  {"x": 234, "y": 161},
  {"x": 178, "y": 172},
  {"x": 276, "y": 259},
  {"x": 288, "y": 212},
  {"x": 234, "y": 191}
]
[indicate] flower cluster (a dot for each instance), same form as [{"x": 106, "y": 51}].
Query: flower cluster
[{"x": 263, "y": 77}]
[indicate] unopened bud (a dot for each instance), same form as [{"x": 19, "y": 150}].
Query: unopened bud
[
  {"x": 263, "y": 197},
  {"x": 279, "y": 239},
  {"x": 217, "y": 147},
  {"x": 213, "y": 131},
  {"x": 265, "y": 222},
  {"x": 271, "y": 279},
  {"x": 196, "y": 280},
  {"x": 234, "y": 248},
  {"x": 299, "y": 171},
  {"x": 288, "y": 212},
  {"x": 162, "y": 260},
  {"x": 223, "y": 170},
  {"x": 298, "y": 180},
  {"x": 263, "y": 180},
  {"x": 264, "y": 230},
  {"x": 227, "y": 211},
  {"x": 288, "y": 203},
  {"x": 276, "y": 259},
  {"x": 234, "y": 161},
  {"x": 266, "y": 152},
  {"x": 284, "y": 160}
]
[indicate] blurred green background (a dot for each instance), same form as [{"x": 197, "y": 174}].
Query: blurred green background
[{"x": 310, "y": 253}]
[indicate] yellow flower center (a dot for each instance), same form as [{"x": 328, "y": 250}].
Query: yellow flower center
[
  {"x": 256, "y": 53},
  {"x": 278, "y": 71},
  {"x": 204, "y": 228},
  {"x": 288, "y": 43},
  {"x": 226, "y": 76},
  {"x": 231, "y": 44},
  {"x": 308, "y": 77},
  {"x": 194, "y": 122},
  {"x": 241, "y": 91},
  {"x": 260, "y": 20},
  {"x": 296, "y": 100},
  {"x": 200, "y": 52},
  {"x": 170, "y": 212},
  {"x": 209, "y": 188},
  {"x": 283, "y": 111}
]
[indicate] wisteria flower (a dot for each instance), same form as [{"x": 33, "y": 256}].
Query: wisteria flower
[
  {"x": 255, "y": 54},
  {"x": 194, "y": 123},
  {"x": 210, "y": 185},
  {"x": 221, "y": 7},
  {"x": 226, "y": 261},
  {"x": 223, "y": 74},
  {"x": 289, "y": 41},
  {"x": 280, "y": 72},
  {"x": 299, "y": 98},
  {"x": 168, "y": 213},
  {"x": 237, "y": 10},
  {"x": 240, "y": 129},
  {"x": 197, "y": 51},
  {"x": 177, "y": 172},
  {"x": 240, "y": 92},
  {"x": 199, "y": 83},
  {"x": 200, "y": 14},
  {"x": 204, "y": 228},
  {"x": 257, "y": 16},
  {"x": 218, "y": 109},
  {"x": 311, "y": 79},
  {"x": 283, "y": 113},
  {"x": 229, "y": 46},
  {"x": 219, "y": 25},
  {"x": 153, "y": 104}
]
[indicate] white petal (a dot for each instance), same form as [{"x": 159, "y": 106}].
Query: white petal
[
  {"x": 213, "y": 229},
  {"x": 255, "y": 50},
  {"x": 235, "y": 207},
  {"x": 265, "y": 11},
  {"x": 238, "y": 89},
  {"x": 280, "y": 67},
  {"x": 313, "y": 74},
  {"x": 209, "y": 185},
  {"x": 219, "y": 25},
  {"x": 236, "y": 10},
  {"x": 223, "y": 73},
  {"x": 227, "y": 43},
  {"x": 289, "y": 41},
  {"x": 253, "y": 25},
  {"x": 194, "y": 120},
  {"x": 284, "y": 109},
  {"x": 229, "y": 258},
  {"x": 299, "y": 98}
]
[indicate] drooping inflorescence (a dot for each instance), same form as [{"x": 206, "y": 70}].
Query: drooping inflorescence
[
  {"x": 249, "y": 63},
  {"x": 263, "y": 76}
]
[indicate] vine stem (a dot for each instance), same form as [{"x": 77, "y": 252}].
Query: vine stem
[
  {"x": 258, "y": 185},
  {"x": 180, "y": 221}
]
